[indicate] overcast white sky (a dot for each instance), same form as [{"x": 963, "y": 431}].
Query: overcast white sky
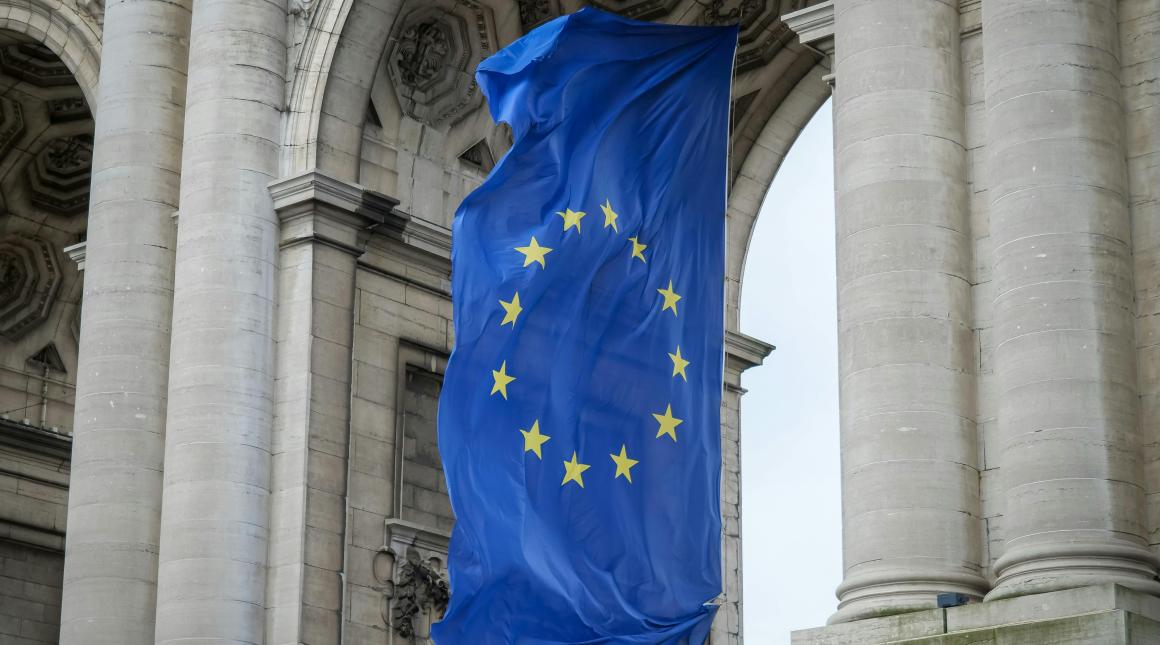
[{"x": 791, "y": 517}]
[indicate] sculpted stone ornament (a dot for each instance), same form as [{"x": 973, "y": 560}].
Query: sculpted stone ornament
[
  {"x": 437, "y": 46},
  {"x": 536, "y": 12},
  {"x": 58, "y": 177},
  {"x": 419, "y": 588},
  {"x": 411, "y": 571},
  {"x": 29, "y": 279}
]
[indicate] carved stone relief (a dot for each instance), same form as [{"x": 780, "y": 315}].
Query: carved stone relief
[
  {"x": 536, "y": 12},
  {"x": 58, "y": 177},
  {"x": 29, "y": 279},
  {"x": 35, "y": 64},
  {"x": 436, "y": 48},
  {"x": 411, "y": 569},
  {"x": 69, "y": 108}
]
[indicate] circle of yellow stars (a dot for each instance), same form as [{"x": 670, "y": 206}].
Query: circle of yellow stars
[{"x": 534, "y": 439}]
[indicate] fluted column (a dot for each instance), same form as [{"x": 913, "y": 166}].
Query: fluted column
[
  {"x": 214, "y": 523},
  {"x": 110, "y": 571},
  {"x": 910, "y": 484},
  {"x": 1064, "y": 354}
]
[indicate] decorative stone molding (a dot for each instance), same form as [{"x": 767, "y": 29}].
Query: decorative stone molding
[
  {"x": 435, "y": 49},
  {"x": 36, "y": 64},
  {"x": 76, "y": 253},
  {"x": 69, "y": 108},
  {"x": 95, "y": 8},
  {"x": 59, "y": 175},
  {"x": 534, "y": 13},
  {"x": 11, "y": 124},
  {"x": 314, "y": 207},
  {"x": 29, "y": 280},
  {"x": 743, "y": 352},
  {"x": 411, "y": 569},
  {"x": 638, "y": 9},
  {"x": 814, "y": 26},
  {"x": 479, "y": 155}
]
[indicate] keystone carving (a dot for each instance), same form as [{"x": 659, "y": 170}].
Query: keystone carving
[
  {"x": 35, "y": 64},
  {"x": 436, "y": 48},
  {"x": 58, "y": 177},
  {"x": 29, "y": 279}
]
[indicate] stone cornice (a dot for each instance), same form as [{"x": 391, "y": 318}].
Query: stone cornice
[
  {"x": 47, "y": 444},
  {"x": 743, "y": 352},
  {"x": 76, "y": 253},
  {"x": 315, "y": 207},
  {"x": 814, "y": 26}
]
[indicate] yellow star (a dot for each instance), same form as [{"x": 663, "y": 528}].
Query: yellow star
[
  {"x": 623, "y": 464},
  {"x": 512, "y": 311},
  {"x": 533, "y": 439},
  {"x": 533, "y": 252},
  {"x": 638, "y": 249},
  {"x": 671, "y": 298},
  {"x": 574, "y": 472},
  {"x": 609, "y": 215},
  {"x": 679, "y": 364},
  {"x": 668, "y": 423},
  {"x": 571, "y": 218},
  {"x": 501, "y": 380}
]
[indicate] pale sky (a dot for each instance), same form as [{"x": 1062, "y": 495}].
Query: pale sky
[{"x": 790, "y": 491}]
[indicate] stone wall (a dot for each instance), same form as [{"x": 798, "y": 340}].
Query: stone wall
[{"x": 29, "y": 594}]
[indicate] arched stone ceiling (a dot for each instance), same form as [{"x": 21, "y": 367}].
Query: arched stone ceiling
[{"x": 423, "y": 64}]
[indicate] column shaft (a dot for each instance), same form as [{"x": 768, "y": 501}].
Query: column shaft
[
  {"x": 110, "y": 572},
  {"x": 910, "y": 478},
  {"x": 1064, "y": 354},
  {"x": 215, "y": 518}
]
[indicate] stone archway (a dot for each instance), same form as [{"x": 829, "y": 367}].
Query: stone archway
[
  {"x": 369, "y": 111},
  {"x": 46, "y": 129}
]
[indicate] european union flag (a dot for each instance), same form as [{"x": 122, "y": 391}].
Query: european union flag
[{"x": 580, "y": 415}]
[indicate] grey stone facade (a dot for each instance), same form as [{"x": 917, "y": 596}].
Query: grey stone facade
[{"x": 235, "y": 441}]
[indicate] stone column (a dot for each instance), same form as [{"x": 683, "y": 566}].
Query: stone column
[
  {"x": 114, "y": 514},
  {"x": 1064, "y": 334},
  {"x": 910, "y": 482},
  {"x": 215, "y": 517},
  {"x": 325, "y": 227}
]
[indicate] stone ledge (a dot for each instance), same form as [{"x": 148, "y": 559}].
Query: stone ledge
[{"x": 1069, "y": 616}]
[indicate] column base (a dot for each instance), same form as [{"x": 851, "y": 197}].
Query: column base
[
  {"x": 871, "y": 595},
  {"x": 1035, "y": 569},
  {"x": 1105, "y": 614}
]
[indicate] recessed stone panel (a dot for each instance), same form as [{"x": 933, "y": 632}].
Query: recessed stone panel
[
  {"x": 58, "y": 176},
  {"x": 436, "y": 48},
  {"x": 29, "y": 279},
  {"x": 35, "y": 64}
]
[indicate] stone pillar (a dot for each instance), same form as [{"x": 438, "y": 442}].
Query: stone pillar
[
  {"x": 1064, "y": 332},
  {"x": 325, "y": 227},
  {"x": 215, "y": 518},
  {"x": 910, "y": 482},
  {"x": 110, "y": 572}
]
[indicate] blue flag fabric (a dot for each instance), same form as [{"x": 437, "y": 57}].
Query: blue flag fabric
[{"x": 579, "y": 421}]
